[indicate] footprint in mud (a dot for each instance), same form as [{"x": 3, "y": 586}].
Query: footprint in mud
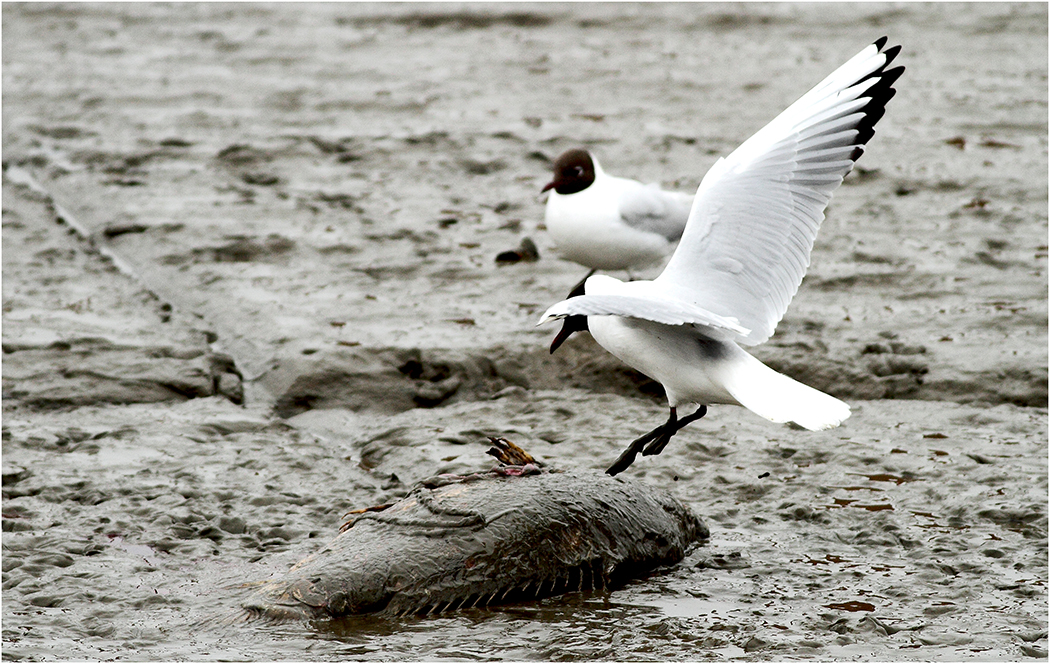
[
  {"x": 246, "y": 161},
  {"x": 898, "y": 368},
  {"x": 239, "y": 155},
  {"x": 240, "y": 249}
]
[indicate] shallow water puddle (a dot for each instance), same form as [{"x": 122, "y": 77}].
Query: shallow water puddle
[
  {"x": 687, "y": 606},
  {"x": 142, "y": 551},
  {"x": 115, "y": 455}
]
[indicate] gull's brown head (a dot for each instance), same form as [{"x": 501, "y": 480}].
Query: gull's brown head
[{"x": 573, "y": 172}]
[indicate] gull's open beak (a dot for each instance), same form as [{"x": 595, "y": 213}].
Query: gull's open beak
[
  {"x": 563, "y": 334},
  {"x": 570, "y": 325},
  {"x": 573, "y": 322}
]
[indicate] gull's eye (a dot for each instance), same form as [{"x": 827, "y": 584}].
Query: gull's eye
[{"x": 577, "y": 171}]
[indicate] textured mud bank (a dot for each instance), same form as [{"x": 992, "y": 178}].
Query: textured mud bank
[{"x": 266, "y": 264}]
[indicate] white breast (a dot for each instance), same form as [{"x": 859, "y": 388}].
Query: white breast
[
  {"x": 691, "y": 368},
  {"x": 588, "y": 229}
]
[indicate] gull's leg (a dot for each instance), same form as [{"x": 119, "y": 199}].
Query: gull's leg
[
  {"x": 660, "y": 442},
  {"x": 667, "y": 429}
]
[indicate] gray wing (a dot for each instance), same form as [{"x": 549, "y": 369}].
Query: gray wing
[
  {"x": 648, "y": 208},
  {"x": 747, "y": 244}
]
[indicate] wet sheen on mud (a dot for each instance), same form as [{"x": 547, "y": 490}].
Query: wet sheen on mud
[{"x": 276, "y": 265}]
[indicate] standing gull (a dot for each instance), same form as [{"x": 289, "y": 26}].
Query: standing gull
[
  {"x": 610, "y": 223},
  {"x": 741, "y": 259}
]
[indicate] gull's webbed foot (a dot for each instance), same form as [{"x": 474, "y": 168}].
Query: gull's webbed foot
[
  {"x": 627, "y": 457},
  {"x": 672, "y": 427},
  {"x": 653, "y": 439}
]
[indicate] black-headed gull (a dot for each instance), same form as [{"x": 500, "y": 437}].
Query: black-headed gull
[
  {"x": 607, "y": 222},
  {"x": 740, "y": 261}
]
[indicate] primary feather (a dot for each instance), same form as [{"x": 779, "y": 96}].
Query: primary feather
[{"x": 754, "y": 219}]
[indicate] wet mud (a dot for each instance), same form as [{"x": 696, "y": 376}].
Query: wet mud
[{"x": 263, "y": 265}]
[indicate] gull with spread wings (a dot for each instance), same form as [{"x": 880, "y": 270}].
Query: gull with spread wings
[{"x": 742, "y": 256}]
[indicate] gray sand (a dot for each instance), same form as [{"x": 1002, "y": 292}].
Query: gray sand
[{"x": 250, "y": 283}]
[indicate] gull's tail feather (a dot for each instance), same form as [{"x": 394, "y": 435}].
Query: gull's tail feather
[{"x": 776, "y": 397}]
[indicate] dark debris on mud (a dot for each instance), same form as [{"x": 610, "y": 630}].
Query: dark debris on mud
[{"x": 226, "y": 323}]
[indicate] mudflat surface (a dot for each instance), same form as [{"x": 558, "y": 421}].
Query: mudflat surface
[{"x": 250, "y": 283}]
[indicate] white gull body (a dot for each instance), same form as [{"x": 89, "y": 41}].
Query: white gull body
[
  {"x": 612, "y": 223},
  {"x": 741, "y": 259}
]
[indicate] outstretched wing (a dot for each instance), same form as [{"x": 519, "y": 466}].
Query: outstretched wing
[
  {"x": 638, "y": 299},
  {"x": 756, "y": 213}
]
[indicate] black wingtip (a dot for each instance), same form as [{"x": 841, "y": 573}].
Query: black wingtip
[
  {"x": 890, "y": 76},
  {"x": 880, "y": 42},
  {"x": 880, "y": 93}
]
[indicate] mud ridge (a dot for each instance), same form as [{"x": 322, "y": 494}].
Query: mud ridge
[{"x": 392, "y": 380}]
